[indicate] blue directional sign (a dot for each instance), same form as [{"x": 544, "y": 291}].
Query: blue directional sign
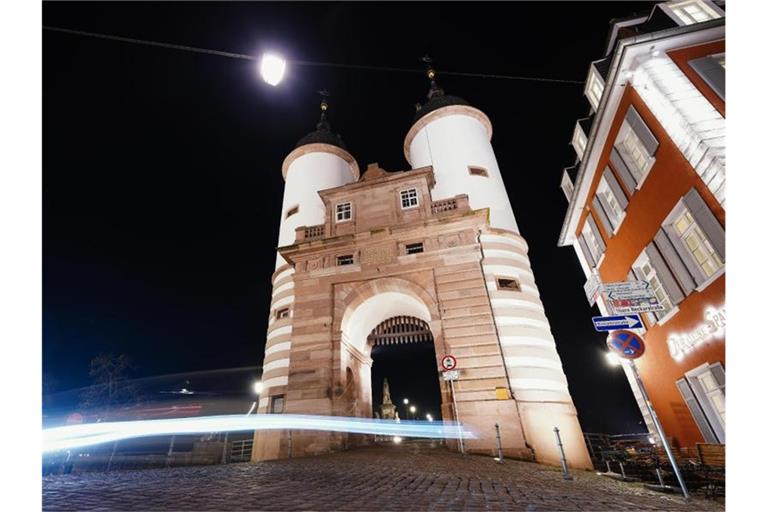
[{"x": 612, "y": 323}]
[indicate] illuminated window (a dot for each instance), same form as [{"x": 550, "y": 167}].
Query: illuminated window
[
  {"x": 697, "y": 244},
  {"x": 636, "y": 155},
  {"x": 292, "y": 211},
  {"x": 508, "y": 283},
  {"x": 579, "y": 141},
  {"x": 689, "y": 12},
  {"x": 282, "y": 313},
  {"x": 478, "y": 171},
  {"x": 594, "y": 89},
  {"x": 343, "y": 212},
  {"x": 409, "y": 198},
  {"x": 645, "y": 271},
  {"x": 566, "y": 185},
  {"x": 414, "y": 248},
  {"x": 591, "y": 238},
  {"x": 346, "y": 259}
]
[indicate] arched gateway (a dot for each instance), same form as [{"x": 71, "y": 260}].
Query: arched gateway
[{"x": 355, "y": 252}]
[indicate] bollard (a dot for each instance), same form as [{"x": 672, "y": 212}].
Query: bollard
[
  {"x": 170, "y": 451},
  {"x": 608, "y": 463},
  {"x": 498, "y": 444},
  {"x": 566, "y": 474},
  {"x": 290, "y": 444},
  {"x": 621, "y": 466}
]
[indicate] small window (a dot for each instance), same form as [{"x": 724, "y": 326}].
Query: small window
[
  {"x": 346, "y": 259},
  {"x": 292, "y": 211},
  {"x": 594, "y": 89},
  {"x": 689, "y": 12},
  {"x": 282, "y": 313},
  {"x": 414, "y": 248},
  {"x": 507, "y": 283},
  {"x": 478, "y": 171},
  {"x": 278, "y": 404},
  {"x": 343, "y": 212},
  {"x": 579, "y": 141},
  {"x": 409, "y": 198}
]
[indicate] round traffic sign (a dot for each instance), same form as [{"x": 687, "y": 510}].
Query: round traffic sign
[
  {"x": 626, "y": 344},
  {"x": 448, "y": 362}
]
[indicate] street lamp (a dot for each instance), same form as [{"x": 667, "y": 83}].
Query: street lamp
[
  {"x": 612, "y": 359},
  {"x": 258, "y": 387},
  {"x": 429, "y": 417},
  {"x": 405, "y": 401},
  {"x": 413, "y": 411},
  {"x": 272, "y": 68}
]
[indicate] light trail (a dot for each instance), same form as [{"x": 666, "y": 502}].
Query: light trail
[{"x": 89, "y": 434}]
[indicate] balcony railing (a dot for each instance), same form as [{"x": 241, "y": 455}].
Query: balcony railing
[
  {"x": 458, "y": 203},
  {"x": 305, "y": 233}
]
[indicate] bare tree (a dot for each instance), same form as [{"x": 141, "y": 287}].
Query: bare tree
[{"x": 111, "y": 383}]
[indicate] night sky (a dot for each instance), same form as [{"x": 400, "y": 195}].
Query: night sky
[{"x": 161, "y": 168}]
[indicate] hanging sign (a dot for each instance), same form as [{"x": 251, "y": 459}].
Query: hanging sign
[
  {"x": 631, "y": 297},
  {"x": 592, "y": 288},
  {"x": 451, "y": 375}
]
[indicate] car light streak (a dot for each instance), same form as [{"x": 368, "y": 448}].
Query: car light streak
[{"x": 77, "y": 436}]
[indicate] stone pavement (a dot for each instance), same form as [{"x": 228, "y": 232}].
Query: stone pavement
[{"x": 412, "y": 476}]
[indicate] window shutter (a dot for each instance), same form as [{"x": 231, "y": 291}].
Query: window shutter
[
  {"x": 706, "y": 221},
  {"x": 712, "y": 73},
  {"x": 599, "y": 237},
  {"x": 671, "y": 248},
  {"x": 597, "y": 206},
  {"x": 585, "y": 251},
  {"x": 667, "y": 279},
  {"x": 623, "y": 170},
  {"x": 642, "y": 131},
  {"x": 719, "y": 374},
  {"x": 613, "y": 184},
  {"x": 696, "y": 412}
]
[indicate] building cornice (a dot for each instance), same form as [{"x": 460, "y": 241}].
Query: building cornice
[{"x": 627, "y": 50}]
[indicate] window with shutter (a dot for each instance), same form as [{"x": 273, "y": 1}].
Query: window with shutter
[
  {"x": 594, "y": 242},
  {"x": 712, "y": 70},
  {"x": 649, "y": 267},
  {"x": 707, "y": 383},
  {"x": 636, "y": 146},
  {"x": 695, "y": 409},
  {"x": 586, "y": 251},
  {"x": 610, "y": 202}
]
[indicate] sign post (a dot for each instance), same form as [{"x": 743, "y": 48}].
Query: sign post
[
  {"x": 630, "y": 346},
  {"x": 450, "y": 373}
]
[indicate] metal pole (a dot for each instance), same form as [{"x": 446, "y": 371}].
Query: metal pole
[
  {"x": 566, "y": 474},
  {"x": 224, "y": 449},
  {"x": 659, "y": 429},
  {"x": 114, "y": 449},
  {"x": 498, "y": 444},
  {"x": 608, "y": 463},
  {"x": 170, "y": 451},
  {"x": 623, "y": 474},
  {"x": 456, "y": 417}
]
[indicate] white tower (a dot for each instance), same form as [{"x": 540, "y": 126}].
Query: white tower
[
  {"x": 319, "y": 161},
  {"x": 454, "y": 138}
]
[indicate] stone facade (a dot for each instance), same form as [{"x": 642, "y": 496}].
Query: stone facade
[{"x": 351, "y": 275}]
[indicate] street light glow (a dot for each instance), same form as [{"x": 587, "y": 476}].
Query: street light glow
[
  {"x": 272, "y": 68},
  {"x": 413, "y": 408},
  {"x": 613, "y": 359},
  {"x": 258, "y": 387},
  {"x": 405, "y": 401},
  {"x": 429, "y": 417}
]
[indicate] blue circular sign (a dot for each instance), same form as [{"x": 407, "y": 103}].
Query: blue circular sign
[{"x": 626, "y": 344}]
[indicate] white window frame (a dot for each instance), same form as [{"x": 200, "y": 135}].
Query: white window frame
[
  {"x": 694, "y": 229},
  {"x": 579, "y": 140},
  {"x": 681, "y": 11},
  {"x": 340, "y": 214},
  {"x": 704, "y": 396},
  {"x": 594, "y": 87},
  {"x": 616, "y": 213},
  {"x": 409, "y": 199},
  {"x": 630, "y": 146},
  {"x": 654, "y": 317},
  {"x": 566, "y": 185}
]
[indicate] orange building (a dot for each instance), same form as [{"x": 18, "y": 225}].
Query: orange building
[{"x": 646, "y": 202}]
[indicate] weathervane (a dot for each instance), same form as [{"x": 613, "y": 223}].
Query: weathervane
[
  {"x": 434, "y": 89},
  {"x": 324, "y": 94}
]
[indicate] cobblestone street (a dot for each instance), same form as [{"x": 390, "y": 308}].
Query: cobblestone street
[{"x": 408, "y": 477}]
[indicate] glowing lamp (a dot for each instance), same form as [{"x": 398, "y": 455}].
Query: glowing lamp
[
  {"x": 258, "y": 387},
  {"x": 272, "y": 69},
  {"x": 613, "y": 359}
]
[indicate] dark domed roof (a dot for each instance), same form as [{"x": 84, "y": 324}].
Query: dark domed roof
[
  {"x": 436, "y": 99},
  {"x": 322, "y": 135},
  {"x": 437, "y": 102}
]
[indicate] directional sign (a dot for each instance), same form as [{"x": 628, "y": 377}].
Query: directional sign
[
  {"x": 448, "y": 362},
  {"x": 626, "y": 344},
  {"x": 612, "y": 323},
  {"x": 631, "y": 297},
  {"x": 592, "y": 288},
  {"x": 451, "y": 375}
]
